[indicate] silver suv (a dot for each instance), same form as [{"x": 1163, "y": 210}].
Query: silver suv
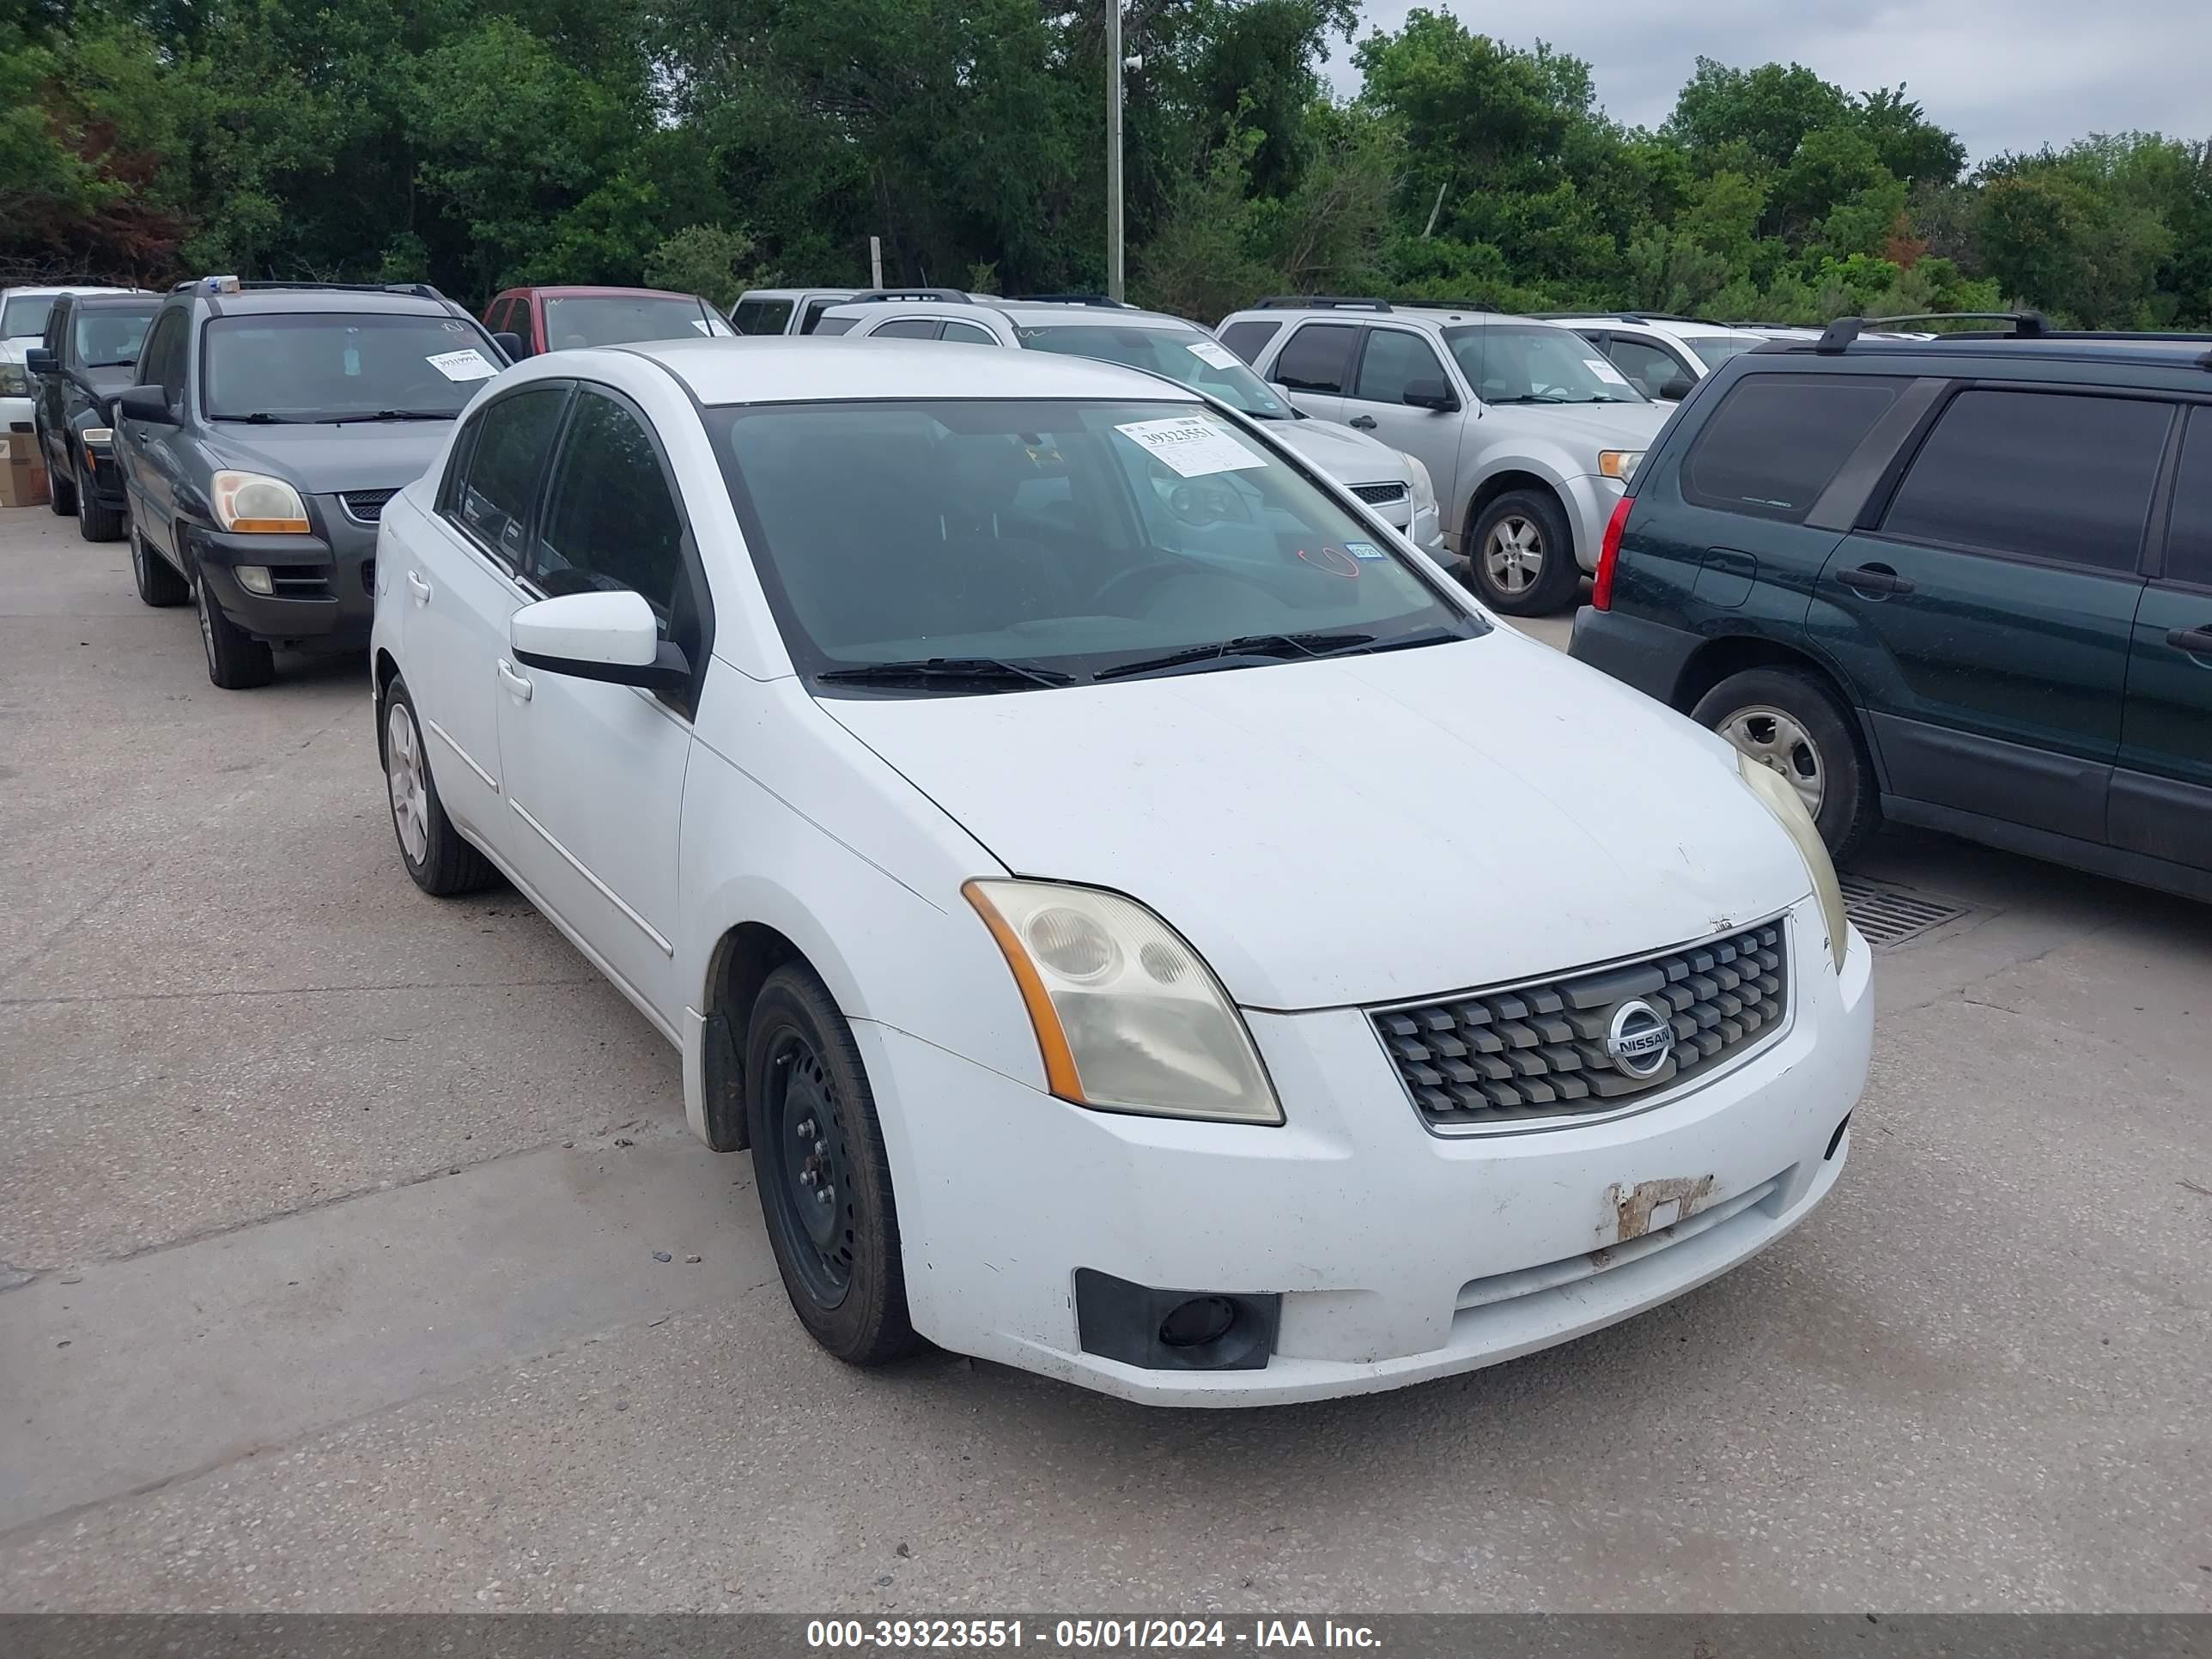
[
  {"x": 1394, "y": 484},
  {"x": 1529, "y": 434}
]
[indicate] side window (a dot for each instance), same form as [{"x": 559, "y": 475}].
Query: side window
[
  {"x": 163, "y": 364},
  {"x": 56, "y": 332},
  {"x": 1778, "y": 440},
  {"x": 814, "y": 310},
  {"x": 2047, "y": 474},
  {"x": 1649, "y": 368},
  {"x": 2189, "y": 533},
  {"x": 761, "y": 316},
  {"x": 1317, "y": 359},
  {"x": 907, "y": 328},
  {"x": 506, "y": 456},
  {"x": 834, "y": 326},
  {"x": 969, "y": 334},
  {"x": 1395, "y": 359},
  {"x": 611, "y": 521},
  {"x": 1248, "y": 340}
]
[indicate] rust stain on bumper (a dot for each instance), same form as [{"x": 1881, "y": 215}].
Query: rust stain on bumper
[{"x": 1633, "y": 1206}]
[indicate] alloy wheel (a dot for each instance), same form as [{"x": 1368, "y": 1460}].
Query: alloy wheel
[
  {"x": 1780, "y": 742},
  {"x": 411, "y": 789},
  {"x": 1513, "y": 554}
]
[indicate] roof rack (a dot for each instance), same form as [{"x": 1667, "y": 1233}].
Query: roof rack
[
  {"x": 1448, "y": 305},
  {"x": 1362, "y": 302},
  {"x": 1069, "y": 300},
  {"x": 201, "y": 285},
  {"x": 941, "y": 295},
  {"x": 2023, "y": 326},
  {"x": 1629, "y": 317}
]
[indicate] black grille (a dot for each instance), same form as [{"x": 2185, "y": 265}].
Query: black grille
[
  {"x": 300, "y": 581},
  {"x": 366, "y": 505},
  {"x": 1380, "y": 494},
  {"x": 1540, "y": 1051}
]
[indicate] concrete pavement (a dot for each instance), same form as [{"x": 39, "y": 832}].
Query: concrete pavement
[{"x": 329, "y": 1217}]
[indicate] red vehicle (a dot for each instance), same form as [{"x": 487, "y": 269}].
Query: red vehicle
[{"x": 552, "y": 318}]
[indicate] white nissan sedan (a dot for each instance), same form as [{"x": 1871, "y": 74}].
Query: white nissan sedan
[{"x": 1149, "y": 926}]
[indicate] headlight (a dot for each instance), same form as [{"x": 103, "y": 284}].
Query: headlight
[
  {"x": 1128, "y": 1018},
  {"x": 1620, "y": 464},
  {"x": 1424, "y": 487},
  {"x": 251, "y": 504},
  {"x": 1782, "y": 799},
  {"x": 14, "y": 381}
]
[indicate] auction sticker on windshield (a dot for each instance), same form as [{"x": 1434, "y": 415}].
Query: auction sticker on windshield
[
  {"x": 1220, "y": 356},
  {"x": 1192, "y": 445},
  {"x": 1605, "y": 371},
  {"x": 466, "y": 364}
]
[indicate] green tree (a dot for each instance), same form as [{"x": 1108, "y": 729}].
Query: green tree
[{"x": 708, "y": 260}]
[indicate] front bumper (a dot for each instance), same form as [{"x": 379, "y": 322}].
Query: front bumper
[
  {"x": 97, "y": 474},
  {"x": 326, "y": 584},
  {"x": 1398, "y": 1254}
]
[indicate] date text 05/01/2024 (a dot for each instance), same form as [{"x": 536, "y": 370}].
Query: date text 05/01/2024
[{"x": 1087, "y": 1634}]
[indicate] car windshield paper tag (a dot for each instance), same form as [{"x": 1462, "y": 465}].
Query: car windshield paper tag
[
  {"x": 1363, "y": 550},
  {"x": 1192, "y": 445},
  {"x": 1605, "y": 371},
  {"x": 466, "y": 364},
  {"x": 700, "y": 323},
  {"x": 1220, "y": 356}
]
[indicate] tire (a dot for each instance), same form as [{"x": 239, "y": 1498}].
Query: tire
[
  {"x": 61, "y": 496},
  {"x": 441, "y": 861},
  {"x": 236, "y": 661},
  {"x": 1791, "y": 721},
  {"x": 94, "y": 522},
  {"x": 839, "y": 1257},
  {"x": 1531, "y": 571},
  {"x": 159, "y": 583}
]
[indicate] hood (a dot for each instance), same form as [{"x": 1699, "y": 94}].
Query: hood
[
  {"x": 1365, "y": 829},
  {"x": 321, "y": 460},
  {"x": 1598, "y": 426},
  {"x": 1346, "y": 456}
]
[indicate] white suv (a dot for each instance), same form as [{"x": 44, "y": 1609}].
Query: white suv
[
  {"x": 1396, "y": 484},
  {"x": 1528, "y": 432},
  {"x": 1664, "y": 356},
  {"x": 1092, "y": 870}
]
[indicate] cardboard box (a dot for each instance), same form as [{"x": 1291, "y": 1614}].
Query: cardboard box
[{"x": 23, "y": 473}]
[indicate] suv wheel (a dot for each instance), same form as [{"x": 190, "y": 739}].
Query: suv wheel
[
  {"x": 825, "y": 1181},
  {"x": 1790, "y": 721},
  {"x": 236, "y": 660},
  {"x": 157, "y": 579},
  {"x": 94, "y": 522},
  {"x": 1522, "y": 555},
  {"x": 440, "y": 861}
]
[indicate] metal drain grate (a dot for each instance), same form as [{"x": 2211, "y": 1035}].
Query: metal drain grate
[{"x": 1892, "y": 915}]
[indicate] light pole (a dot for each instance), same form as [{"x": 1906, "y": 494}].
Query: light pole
[{"x": 1113, "y": 263}]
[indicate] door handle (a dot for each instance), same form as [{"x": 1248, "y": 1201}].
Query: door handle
[
  {"x": 419, "y": 587},
  {"x": 1364, "y": 422},
  {"x": 518, "y": 686},
  {"x": 1875, "y": 578},
  {"x": 2197, "y": 641}
]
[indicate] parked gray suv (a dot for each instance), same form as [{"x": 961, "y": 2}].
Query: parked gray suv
[
  {"x": 269, "y": 425},
  {"x": 1529, "y": 434}
]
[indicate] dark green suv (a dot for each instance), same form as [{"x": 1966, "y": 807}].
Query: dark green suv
[{"x": 1962, "y": 581}]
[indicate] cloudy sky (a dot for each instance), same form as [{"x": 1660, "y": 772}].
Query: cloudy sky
[{"x": 2002, "y": 74}]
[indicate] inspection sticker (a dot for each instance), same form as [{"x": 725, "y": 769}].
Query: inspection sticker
[
  {"x": 1220, "y": 356},
  {"x": 466, "y": 364},
  {"x": 1363, "y": 550},
  {"x": 1192, "y": 445},
  {"x": 1605, "y": 371}
]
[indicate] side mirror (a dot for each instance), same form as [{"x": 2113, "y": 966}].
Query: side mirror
[
  {"x": 509, "y": 342},
  {"x": 1677, "y": 389},
  {"x": 1280, "y": 390},
  {"x": 1429, "y": 394},
  {"x": 611, "y": 637},
  {"x": 148, "y": 404},
  {"x": 39, "y": 361}
]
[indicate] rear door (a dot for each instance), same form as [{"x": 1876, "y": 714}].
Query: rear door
[
  {"x": 1315, "y": 367},
  {"x": 1392, "y": 361},
  {"x": 2161, "y": 804},
  {"x": 1985, "y": 620}
]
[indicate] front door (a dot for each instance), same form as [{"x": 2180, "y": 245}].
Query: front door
[
  {"x": 2162, "y": 790},
  {"x": 594, "y": 772},
  {"x": 1986, "y": 620},
  {"x": 148, "y": 448},
  {"x": 1392, "y": 360}
]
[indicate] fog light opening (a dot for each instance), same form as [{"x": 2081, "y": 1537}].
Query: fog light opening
[
  {"x": 254, "y": 579},
  {"x": 1194, "y": 1323}
]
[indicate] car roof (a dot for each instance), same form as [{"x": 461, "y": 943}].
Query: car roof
[
  {"x": 1680, "y": 328},
  {"x": 769, "y": 368},
  {"x": 118, "y": 297},
  {"x": 596, "y": 291},
  {"x": 2191, "y": 354},
  {"x": 269, "y": 301},
  {"x": 1066, "y": 314},
  {"x": 35, "y": 292},
  {"x": 791, "y": 292},
  {"x": 1437, "y": 316}
]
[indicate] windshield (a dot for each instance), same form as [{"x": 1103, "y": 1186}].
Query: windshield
[
  {"x": 108, "y": 337},
  {"x": 26, "y": 315},
  {"x": 322, "y": 366},
  {"x": 1714, "y": 350},
  {"x": 1057, "y": 540},
  {"x": 619, "y": 319},
  {"x": 1185, "y": 354},
  {"x": 1537, "y": 364}
]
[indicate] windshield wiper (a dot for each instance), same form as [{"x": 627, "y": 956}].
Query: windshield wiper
[
  {"x": 388, "y": 415},
  {"x": 976, "y": 671},
  {"x": 266, "y": 420},
  {"x": 120, "y": 363},
  {"x": 1246, "y": 645}
]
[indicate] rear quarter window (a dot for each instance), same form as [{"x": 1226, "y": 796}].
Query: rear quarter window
[
  {"x": 1778, "y": 440},
  {"x": 1248, "y": 340}
]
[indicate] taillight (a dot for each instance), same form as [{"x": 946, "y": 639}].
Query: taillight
[{"x": 1608, "y": 556}]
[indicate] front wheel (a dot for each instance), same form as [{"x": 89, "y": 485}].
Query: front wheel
[
  {"x": 1787, "y": 721},
  {"x": 236, "y": 661},
  {"x": 94, "y": 522},
  {"x": 824, "y": 1180},
  {"x": 61, "y": 489},
  {"x": 1521, "y": 555},
  {"x": 441, "y": 862},
  {"x": 158, "y": 581}
]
